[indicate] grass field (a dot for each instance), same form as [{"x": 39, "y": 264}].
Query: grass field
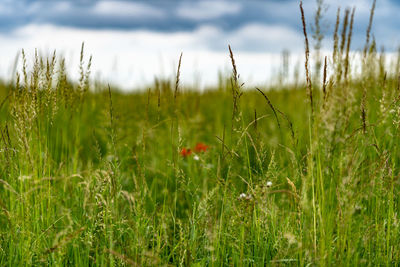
[{"x": 233, "y": 176}]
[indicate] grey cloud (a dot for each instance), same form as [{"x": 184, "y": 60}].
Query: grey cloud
[
  {"x": 228, "y": 16},
  {"x": 207, "y": 10}
]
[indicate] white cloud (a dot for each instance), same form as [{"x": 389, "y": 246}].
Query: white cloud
[
  {"x": 132, "y": 9},
  {"x": 131, "y": 59},
  {"x": 205, "y": 10}
]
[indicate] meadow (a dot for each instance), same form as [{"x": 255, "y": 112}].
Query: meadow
[{"x": 295, "y": 175}]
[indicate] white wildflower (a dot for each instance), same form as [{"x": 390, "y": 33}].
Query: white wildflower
[
  {"x": 244, "y": 196},
  {"x": 269, "y": 184},
  {"x": 196, "y": 158}
]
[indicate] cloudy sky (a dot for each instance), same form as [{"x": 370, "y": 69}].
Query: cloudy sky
[{"x": 132, "y": 41}]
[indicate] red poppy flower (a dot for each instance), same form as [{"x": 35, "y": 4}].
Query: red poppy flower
[
  {"x": 186, "y": 152},
  {"x": 200, "y": 147}
]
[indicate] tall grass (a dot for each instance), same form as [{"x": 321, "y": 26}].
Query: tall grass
[{"x": 97, "y": 177}]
